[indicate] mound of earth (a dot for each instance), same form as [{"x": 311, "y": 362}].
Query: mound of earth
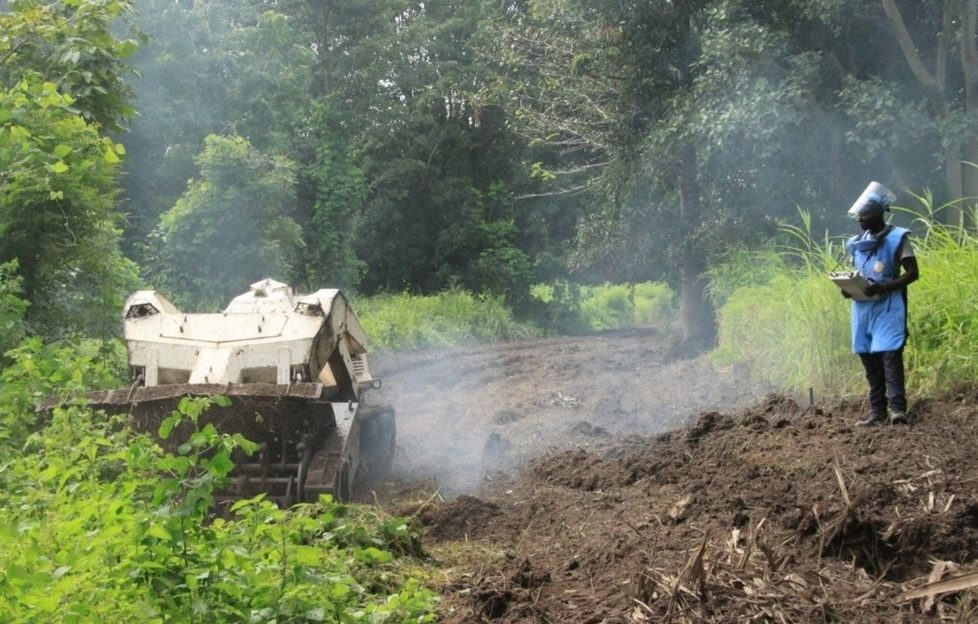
[
  {"x": 773, "y": 513},
  {"x": 653, "y": 488}
]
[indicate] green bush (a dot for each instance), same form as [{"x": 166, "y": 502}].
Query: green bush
[
  {"x": 12, "y": 307},
  {"x": 38, "y": 371},
  {"x": 99, "y": 524},
  {"x": 943, "y": 316},
  {"x": 791, "y": 331},
  {"x": 571, "y": 307},
  {"x": 402, "y": 321},
  {"x": 557, "y": 307},
  {"x": 617, "y": 306}
]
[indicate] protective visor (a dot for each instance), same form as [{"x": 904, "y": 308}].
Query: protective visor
[{"x": 873, "y": 202}]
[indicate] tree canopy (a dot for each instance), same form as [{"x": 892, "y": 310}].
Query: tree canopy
[
  {"x": 488, "y": 145},
  {"x": 62, "y": 83}
]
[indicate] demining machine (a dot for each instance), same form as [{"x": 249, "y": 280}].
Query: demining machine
[{"x": 295, "y": 370}]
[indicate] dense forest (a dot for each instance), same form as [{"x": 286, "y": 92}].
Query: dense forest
[{"x": 398, "y": 146}]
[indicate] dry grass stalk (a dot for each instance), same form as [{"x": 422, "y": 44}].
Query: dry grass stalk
[
  {"x": 958, "y": 583},
  {"x": 693, "y": 574},
  {"x": 744, "y": 579},
  {"x": 842, "y": 483}
]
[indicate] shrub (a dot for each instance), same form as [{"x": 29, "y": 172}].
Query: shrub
[
  {"x": 99, "y": 524},
  {"x": 571, "y": 307},
  {"x": 403, "y": 321}
]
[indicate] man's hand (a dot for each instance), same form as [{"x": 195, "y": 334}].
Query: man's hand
[{"x": 875, "y": 289}]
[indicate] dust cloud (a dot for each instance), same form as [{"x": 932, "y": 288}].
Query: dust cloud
[{"x": 469, "y": 414}]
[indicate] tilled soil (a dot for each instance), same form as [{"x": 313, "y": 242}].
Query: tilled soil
[{"x": 774, "y": 512}]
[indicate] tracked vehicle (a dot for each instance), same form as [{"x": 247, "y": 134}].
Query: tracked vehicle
[{"x": 295, "y": 369}]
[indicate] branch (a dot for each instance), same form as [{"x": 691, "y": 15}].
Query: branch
[
  {"x": 13, "y": 50},
  {"x": 907, "y": 45},
  {"x": 559, "y": 192}
]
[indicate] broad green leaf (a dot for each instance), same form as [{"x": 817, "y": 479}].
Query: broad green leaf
[
  {"x": 59, "y": 572},
  {"x": 373, "y": 555},
  {"x": 109, "y": 155},
  {"x": 166, "y": 427},
  {"x": 221, "y": 464}
]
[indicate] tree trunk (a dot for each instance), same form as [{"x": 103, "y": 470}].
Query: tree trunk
[
  {"x": 953, "y": 180},
  {"x": 935, "y": 83},
  {"x": 969, "y": 143},
  {"x": 696, "y": 312},
  {"x": 969, "y": 187}
]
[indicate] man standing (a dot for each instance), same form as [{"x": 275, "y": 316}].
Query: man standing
[{"x": 879, "y": 325}]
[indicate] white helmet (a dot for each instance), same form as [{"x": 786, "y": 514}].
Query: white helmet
[{"x": 873, "y": 202}]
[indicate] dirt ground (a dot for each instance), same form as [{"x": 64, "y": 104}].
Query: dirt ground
[{"x": 601, "y": 479}]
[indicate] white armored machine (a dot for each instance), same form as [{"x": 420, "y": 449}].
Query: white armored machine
[{"x": 295, "y": 369}]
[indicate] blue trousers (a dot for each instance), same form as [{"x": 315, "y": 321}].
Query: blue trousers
[{"x": 884, "y": 372}]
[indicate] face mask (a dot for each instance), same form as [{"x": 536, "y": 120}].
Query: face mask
[{"x": 872, "y": 242}]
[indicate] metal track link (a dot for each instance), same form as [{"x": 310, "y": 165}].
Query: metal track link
[{"x": 324, "y": 472}]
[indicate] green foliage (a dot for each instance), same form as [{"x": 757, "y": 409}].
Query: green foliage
[
  {"x": 39, "y": 371},
  {"x": 557, "y": 307},
  {"x": 59, "y": 80},
  {"x": 340, "y": 194},
  {"x": 56, "y": 210},
  {"x": 571, "y": 308},
  {"x": 499, "y": 267},
  {"x": 943, "y": 302},
  {"x": 99, "y": 524},
  {"x": 75, "y": 44},
  {"x": 230, "y": 229},
  {"x": 787, "y": 324},
  {"x": 616, "y": 306},
  {"x": 790, "y": 330},
  {"x": 781, "y": 318},
  {"x": 403, "y": 321},
  {"x": 12, "y": 307}
]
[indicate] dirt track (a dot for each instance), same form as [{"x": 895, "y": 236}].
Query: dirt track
[{"x": 771, "y": 513}]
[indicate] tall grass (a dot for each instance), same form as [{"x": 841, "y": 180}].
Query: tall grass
[
  {"x": 787, "y": 324},
  {"x": 943, "y": 315},
  {"x": 400, "y": 322},
  {"x": 403, "y": 322},
  {"x": 780, "y": 317},
  {"x": 617, "y": 306}
]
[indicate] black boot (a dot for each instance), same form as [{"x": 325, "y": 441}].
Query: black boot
[
  {"x": 872, "y": 421},
  {"x": 898, "y": 417}
]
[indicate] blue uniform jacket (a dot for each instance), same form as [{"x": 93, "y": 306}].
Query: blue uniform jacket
[{"x": 879, "y": 325}]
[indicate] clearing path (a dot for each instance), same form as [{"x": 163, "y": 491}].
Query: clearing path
[{"x": 466, "y": 413}]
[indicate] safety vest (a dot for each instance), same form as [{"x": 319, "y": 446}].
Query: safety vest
[{"x": 879, "y": 325}]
